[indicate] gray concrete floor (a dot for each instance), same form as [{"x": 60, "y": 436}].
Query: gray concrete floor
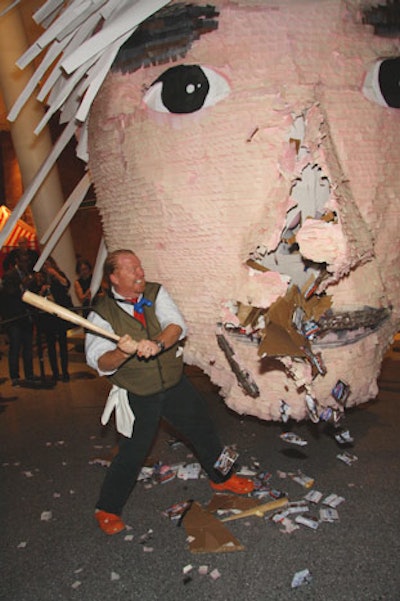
[{"x": 49, "y": 437}]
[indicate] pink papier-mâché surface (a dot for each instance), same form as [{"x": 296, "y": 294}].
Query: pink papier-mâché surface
[{"x": 290, "y": 140}]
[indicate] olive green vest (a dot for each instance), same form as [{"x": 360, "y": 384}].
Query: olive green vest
[{"x": 138, "y": 375}]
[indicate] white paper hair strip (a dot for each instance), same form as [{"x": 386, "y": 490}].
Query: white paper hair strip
[
  {"x": 82, "y": 150},
  {"x": 74, "y": 14},
  {"x": 113, "y": 5},
  {"x": 34, "y": 81},
  {"x": 55, "y": 32},
  {"x": 114, "y": 28},
  {"x": 57, "y": 99},
  {"x": 77, "y": 195},
  {"x": 81, "y": 17},
  {"x": 45, "y": 11},
  {"x": 100, "y": 70},
  {"x": 8, "y": 8},
  {"x": 73, "y": 203},
  {"x": 79, "y": 37},
  {"x": 37, "y": 181},
  {"x": 97, "y": 276}
]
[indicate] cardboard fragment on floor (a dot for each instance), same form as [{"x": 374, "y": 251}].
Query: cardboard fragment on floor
[{"x": 207, "y": 534}]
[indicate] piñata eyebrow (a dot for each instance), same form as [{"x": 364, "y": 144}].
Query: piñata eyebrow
[{"x": 165, "y": 36}]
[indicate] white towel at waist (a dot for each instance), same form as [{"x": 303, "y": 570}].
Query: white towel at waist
[{"x": 124, "y": 417}]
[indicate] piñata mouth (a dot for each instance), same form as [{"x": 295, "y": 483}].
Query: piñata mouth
[{"x": 332, "y": 330}]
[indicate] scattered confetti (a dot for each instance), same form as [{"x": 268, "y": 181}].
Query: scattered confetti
[
  {"x": 328, "y": 514},
  {"x": 292, "y": 438},
  {"x": 288, "y": 526},
  {"x": 333, "y": 500},
  {"x": 309, "y": 521},
  {"x": 300, "y": 578},
  {"x": 314, "y": 496},
  {"x": 347, "y": 458},
  {"x": 215, "y": 574}
]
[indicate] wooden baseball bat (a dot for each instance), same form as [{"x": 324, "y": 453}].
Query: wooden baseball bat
[
  {"x": 53, "y": 308},
  {"x": 259, "y": 510}
]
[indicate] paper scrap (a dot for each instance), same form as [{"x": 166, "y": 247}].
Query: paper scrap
[
  {"x": 314, "y": 496},
  {"x": 292, "y": 438},
  {"x": 188, "y": 568},
  {"x": 191, "y": 471},
  {"x": 302, "y": 479},
  {"x": 215, "y": 574},
  {"x": 301, "y": 577},
  {"x": 328, "y": 514},
  {"x": 333, "y": 500},
  {"x": 347, "y": 458},
  {"x": 310, "y": 521}
]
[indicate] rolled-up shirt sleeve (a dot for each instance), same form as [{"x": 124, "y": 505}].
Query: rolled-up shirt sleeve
[{"x": 95, "y": 346}]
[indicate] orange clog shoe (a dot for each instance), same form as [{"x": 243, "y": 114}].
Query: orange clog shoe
[
  {"x": 109, "y": 522},
  {"x": 235, "y": 484}
]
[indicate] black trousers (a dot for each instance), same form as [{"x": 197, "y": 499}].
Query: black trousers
[
  {"x": 52, "y": 337},
  {"x": 20, "y": 336},
  {"x": 186, "y": 410}
]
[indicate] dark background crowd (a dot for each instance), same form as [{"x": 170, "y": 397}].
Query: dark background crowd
[{"x": 27, "y": 328}]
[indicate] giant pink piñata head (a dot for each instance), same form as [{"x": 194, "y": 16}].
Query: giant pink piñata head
[{"x": 244, "y": 168}]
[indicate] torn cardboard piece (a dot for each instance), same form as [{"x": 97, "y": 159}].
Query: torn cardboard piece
[
  {"x": 281, "y": 336},
  {"x": 207, "y": 533}
]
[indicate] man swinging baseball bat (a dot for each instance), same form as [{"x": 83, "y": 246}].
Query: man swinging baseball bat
[{"x": 145, "y": 362}]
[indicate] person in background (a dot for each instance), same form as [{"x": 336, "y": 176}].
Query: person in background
[
  {"x": 82, "y": 285},
  {"x": 52, "y": 283},
  {"x": 149, "y": 381},
  {"x": 30, "y": 255},
  {"x": 18, "y": 319}
]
